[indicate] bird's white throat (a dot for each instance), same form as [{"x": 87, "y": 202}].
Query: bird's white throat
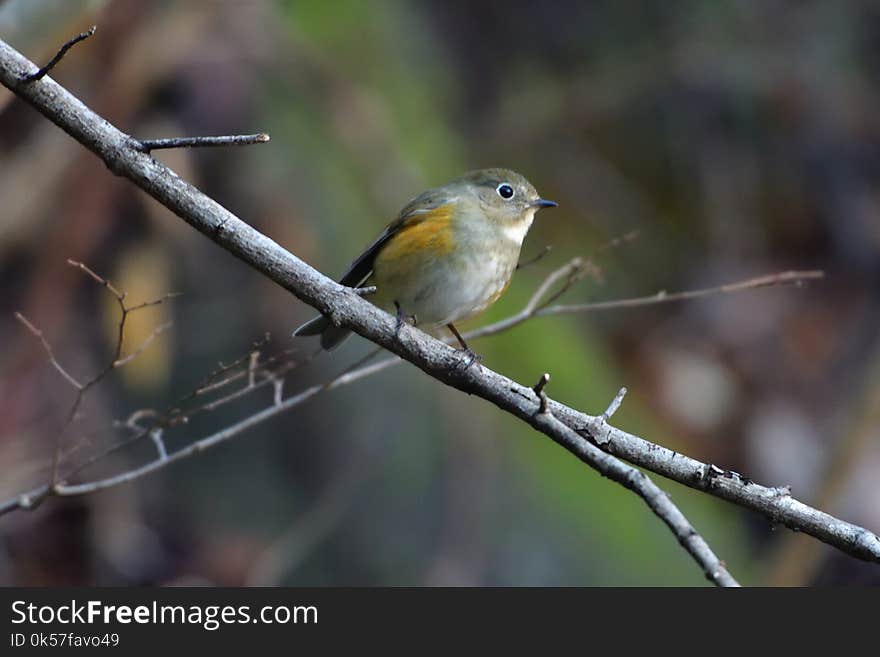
[{"x": 516, "y": 232}]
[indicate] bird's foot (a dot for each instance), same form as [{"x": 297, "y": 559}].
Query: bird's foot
[
  {"x": 472, "y": 357},
  {"x": 401, "y": 319}
]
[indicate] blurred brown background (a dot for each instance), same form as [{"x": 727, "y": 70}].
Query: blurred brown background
[{"x": 738, "y": 138}]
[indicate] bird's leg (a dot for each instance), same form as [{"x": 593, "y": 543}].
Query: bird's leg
[
  {"x": 473, "y": 356},
  {"x": 401, "y": 318}
]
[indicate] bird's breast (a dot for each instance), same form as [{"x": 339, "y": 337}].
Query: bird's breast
[{"x": 445, "y": 288}]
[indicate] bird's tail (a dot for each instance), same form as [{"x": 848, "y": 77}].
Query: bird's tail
[{"x": 331, "y": 336}]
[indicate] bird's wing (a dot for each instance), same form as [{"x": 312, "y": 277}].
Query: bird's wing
[{"x": 417, "y": 211}]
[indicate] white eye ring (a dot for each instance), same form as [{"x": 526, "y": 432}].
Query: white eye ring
[{"x": 505, "y": 191}]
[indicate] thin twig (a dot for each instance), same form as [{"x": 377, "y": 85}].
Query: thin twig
[
  {"x": 132, "y": 421},
  {"x": 48, "y": 349},
  {"x": 40, "y": 73},
  {"x": 253, "y": 361},
  {"x": 213, "y": 380},
  {"x": 205, "y": 443},
  {"x": 538, "y": 389},
  {"x": 147, "y": 145},
  {"x": 535, "y": 308},
  {"x": 143, "y": 345},
  {"x": 115, "y": 362},
  {"x": 278, "y": 391},
  {"x": 177, "y": 415},
  {"x": 156, "y": 436},
  {"x": 153, "y": 302},
  {"x": 614, "y": 405},
  {"x": 534, "y": 259},
  {"x": 784, "y": 278},
  {"x": 95, "y": 277},
  {"x": 33, "y": 497}
]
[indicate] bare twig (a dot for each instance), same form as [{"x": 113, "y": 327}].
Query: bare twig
[
  {"x": 538, "y": 306},
  {"x": 48, "y": 349},
  {"x": 202, "y": 444},
  {"x": 119, "y": 362},
  {"x": 614, "y": 405},
  {"x": 797, "y": 278},
  {"x": 538, "y": 389},
  {"x": 578, "y": 270},
  {"x": 178, "y": 415},
  {"x": 133, "y": 421},
  {"x": 349, "y": 375},
  {"x": 116, "y": 361},
  {"x": 156, "y": 437},
  {"x": 98, "y": 279},
  {"x": 40, "y": 73},
  {"x": 147, "y": 145},
  {"x": 153, "y": 302},
  {"x": 534, "y": 259},
  {"x": 253, "y": 361},
  {"x": 124, "y": 311},
  {"x": 278, "y": 391},
  {"x": 214, "y": 381}
]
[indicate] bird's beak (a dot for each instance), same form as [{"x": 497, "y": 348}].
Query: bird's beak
[{"x": 543, "y": 203}]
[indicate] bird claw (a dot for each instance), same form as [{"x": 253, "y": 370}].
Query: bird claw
[
  {"x": 401, "y": 318},
  {"x": 473, "y": 357}
]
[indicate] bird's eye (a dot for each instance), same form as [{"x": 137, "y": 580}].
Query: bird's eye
[{"x": 505, "y": 191}]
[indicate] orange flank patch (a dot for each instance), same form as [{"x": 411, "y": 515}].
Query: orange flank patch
[{"x": 424, "y": 233}]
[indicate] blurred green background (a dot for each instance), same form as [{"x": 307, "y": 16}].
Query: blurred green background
[{"x": 738, "y": 138}]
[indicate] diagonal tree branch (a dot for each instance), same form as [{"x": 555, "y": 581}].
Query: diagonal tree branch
[
  {"x": 123, "y": 156},
  {"x": 635, "y": 480}
]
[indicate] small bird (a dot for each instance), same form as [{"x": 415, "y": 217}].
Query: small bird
[{"x": 448, "y": 255}]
